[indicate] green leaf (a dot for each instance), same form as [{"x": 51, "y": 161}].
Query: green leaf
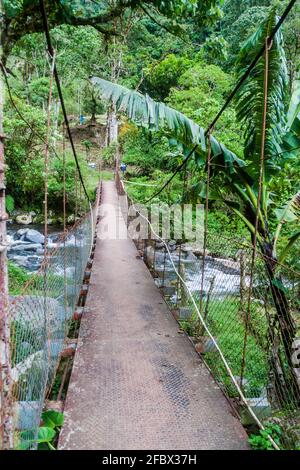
[
  {"x": 285, "y": 251},
  {"x": 52, "y": 419},
  {"x": 27, "y": 439},
  {"x": 10, "y": 203},
  {"x": 291, "y": 211},
  {"x": 294, "y": 108},
  {"x": 277, "y": 283},
  {"x": 155, "y": 115},
  {"x": 46, "y": 434},
  {"x": 146, "y": 112}
]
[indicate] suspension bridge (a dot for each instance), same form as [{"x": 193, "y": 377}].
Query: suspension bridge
[
  {"x": 137, "y": 382},
  {"x": 171, "y": 354}
]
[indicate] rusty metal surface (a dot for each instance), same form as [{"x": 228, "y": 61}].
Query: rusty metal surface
[{"x": 137, "y": 383}]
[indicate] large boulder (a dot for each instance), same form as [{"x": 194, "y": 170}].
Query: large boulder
[
  {"x": 30, "y": 310},
  {"x": 34, "y": 236}
]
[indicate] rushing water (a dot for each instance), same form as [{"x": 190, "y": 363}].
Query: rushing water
[
  {"x": 29, "y": 254},
  {"x": 223, "y": 273}
]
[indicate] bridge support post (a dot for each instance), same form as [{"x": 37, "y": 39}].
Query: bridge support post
[{"x": 6, "y": 426}]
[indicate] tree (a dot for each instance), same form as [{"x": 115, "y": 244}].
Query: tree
[
  {"x": 160, "y": 78},
  {"x": 23, "y": 16},
  {"x": 240, "y": 176}
]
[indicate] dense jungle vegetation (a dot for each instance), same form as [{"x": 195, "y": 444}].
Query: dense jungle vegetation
[{"x": 191, "y": 69}]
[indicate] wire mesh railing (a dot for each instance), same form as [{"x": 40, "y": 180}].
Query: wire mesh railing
[
  {"x": 40, "y": 318},
  {"x": 246, "y": 332}
]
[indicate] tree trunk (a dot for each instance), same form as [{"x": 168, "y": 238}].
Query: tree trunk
[
  {"x": 112, "y": 133},
  {"x": 283, "y": 331},
  {"x": 6, "y": 436}
]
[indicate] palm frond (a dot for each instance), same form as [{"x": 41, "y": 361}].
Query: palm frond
[{"x": 146, "y": 112}]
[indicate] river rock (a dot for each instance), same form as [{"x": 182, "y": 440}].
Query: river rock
[
  {"x": 24, "y": 219},
  {"x": 19, "y": 260},
  {"x": 52, "y": 246},
  {"x": 30, "y": 312},
  {"x": 191, "y": 257},
  {"x": 150, "y": 253},
  {"x": 34, "y": 236},
  {"x": 260, "y": 406},
  {"x": 26, "y": 246},
  {"x": 159, "y": 245},
  {"x": 172, "y": 245},
  {"x": 186, "y": 249},
  {"x": 19, "y": 245},
  {"x": 71, "y": 219},
  {"x": 9, "y": 240},
  {"x": 21, "y": 233}
]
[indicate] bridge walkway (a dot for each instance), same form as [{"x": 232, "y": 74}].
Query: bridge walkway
[{"x": 137, "y": 383}]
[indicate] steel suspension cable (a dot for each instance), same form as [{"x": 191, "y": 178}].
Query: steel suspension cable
[
  {"x": 47, "y": 145},
  {"x": 205, "y": 223},
  {"x": 259, "y": 196},
  {"x": 60, "y": 94},
  {"x": 46, "y": 169}
]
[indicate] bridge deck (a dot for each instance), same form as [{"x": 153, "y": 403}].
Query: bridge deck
[{"x": 137, "y": 383}]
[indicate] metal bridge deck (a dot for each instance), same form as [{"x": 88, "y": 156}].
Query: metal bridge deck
[{"x": 137, "y": 383}]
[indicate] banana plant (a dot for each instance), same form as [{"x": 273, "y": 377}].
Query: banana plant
[{"x": 240, "y": 176}]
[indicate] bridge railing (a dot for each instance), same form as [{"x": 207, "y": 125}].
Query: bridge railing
[
  {"x": 235, "y": 328},
  {"x": 40, "y": 318}
]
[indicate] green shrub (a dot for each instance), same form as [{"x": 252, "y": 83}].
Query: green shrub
[
  {"x": 10, "y": 203},
  {"x": 17, "y": 277},
  {"x": 261, "y": 440}
]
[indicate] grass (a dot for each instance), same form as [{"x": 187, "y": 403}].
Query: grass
[
  {"x": 17, "y": 277},
  {"x": 225, "y": 321}
]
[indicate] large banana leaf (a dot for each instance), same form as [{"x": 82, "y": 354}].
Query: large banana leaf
[
  {"x": 294, "y": 109},
  {"x": 146, "y": 112},
  {"x": 289, "y": 213},
  {"x": 250, "y": 97},
  {"x": 291, "y": 140}
]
